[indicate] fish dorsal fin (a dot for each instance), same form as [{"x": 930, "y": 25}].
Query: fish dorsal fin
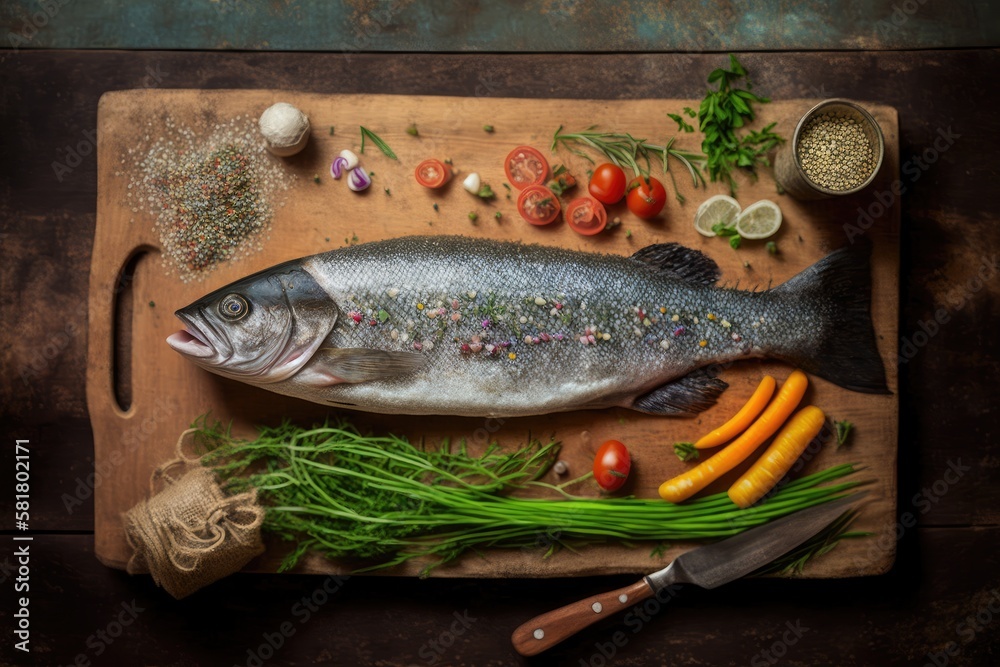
[
  {"x": 352, "y": 365},
  {"x": 683, "y": 263}
]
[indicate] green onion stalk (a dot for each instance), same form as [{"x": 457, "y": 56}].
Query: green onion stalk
[{"x": 339, "y": 492}]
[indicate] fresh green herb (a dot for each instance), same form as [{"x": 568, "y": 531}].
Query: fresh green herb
[
  {"x": 382, "y": 315},
  {"x": 772, "y": 247},
  {"x": 331, "y": 130},
  {"x": 435, "y": 206},
  {"x": 485, "y": 192},
  {"x": 152, "y": 304},
  {"x": 681, "y": 124},
  {"x": 628, "y": 233},
  {"x": 625, "y": 150},
  {"x": 316, "y": 178},
  {"x": 344, "y": 494},
  {"x": 721, "y": 114},
  {"x": 473, "y": 216},
  {"x": 659, "y": 550},
  {"x": 825, "y": 541},
  {"x": 507, "y": 186},
  {"x": 498, "y": 215},
  {"x": 562, "y": 181},
  {"x": 374, "y": 138},
  {"x": 487, "y": 128},
  {"x": 387, "y": 191},
  {"x": 412, "y": 130},
  {"x": 685, "y": 451},
  {"x": 843, "y": 428},
  {"x": 690, "y": 113},
  {"x": 735, "y": 241}
]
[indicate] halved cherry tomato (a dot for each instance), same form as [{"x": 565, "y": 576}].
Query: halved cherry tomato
[
  {"x": 538, "y": 205},
  {"x": 646, "y": 200},
  {"x": 586, "y": 215},
  {"x": 612, "y": 465},
  {"x": 607, "y": 185},
  {"x": 433, "y": 173},
  {"x": 526, "y": 166}
]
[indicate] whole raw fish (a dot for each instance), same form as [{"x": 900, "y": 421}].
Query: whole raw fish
[{"x": 457, "y": 326}]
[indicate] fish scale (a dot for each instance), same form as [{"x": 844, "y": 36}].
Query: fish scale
[{"x": 398, "y": 297}]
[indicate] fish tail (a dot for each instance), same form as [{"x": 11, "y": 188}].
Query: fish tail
[{"x": 837, "y": 289}]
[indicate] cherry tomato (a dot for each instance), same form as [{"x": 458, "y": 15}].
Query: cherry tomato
[
  {"x": 646, "y": 200},
  {"x": 607, "y": 185},
  {"x": 586, "y": 215},
  {"x": 433, "y": 173},
  {"x": 538, "y": 205},
  {"x": 526, "y": 166},
  {"x": 612, "y": 465}
]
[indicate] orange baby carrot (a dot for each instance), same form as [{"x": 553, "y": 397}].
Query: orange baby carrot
[
  {"x": 777, "y": 460},
  {"x": 694, "y": 480},
  {"x": 742, "y": 420}
]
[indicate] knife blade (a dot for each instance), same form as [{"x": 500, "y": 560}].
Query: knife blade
[{"x": 709, "y": 566}]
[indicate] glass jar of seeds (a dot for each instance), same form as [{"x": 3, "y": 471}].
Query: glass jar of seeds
[{"x": 837, "y": 149}]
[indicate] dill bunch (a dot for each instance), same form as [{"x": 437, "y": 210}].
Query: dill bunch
[{"x": 344, "y": 494}]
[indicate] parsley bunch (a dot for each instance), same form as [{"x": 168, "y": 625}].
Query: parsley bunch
[{"x": 721, "y": 114}]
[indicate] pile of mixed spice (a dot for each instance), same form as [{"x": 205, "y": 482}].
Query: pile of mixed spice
[
  {"x": 212, "y": 197},
  {"x": 835, "y": 152}
]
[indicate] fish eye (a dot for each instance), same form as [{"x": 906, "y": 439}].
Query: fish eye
[{"x": 234, "y": 307}]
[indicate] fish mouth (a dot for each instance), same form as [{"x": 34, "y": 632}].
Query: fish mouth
[{"x": 190, "y": 340}]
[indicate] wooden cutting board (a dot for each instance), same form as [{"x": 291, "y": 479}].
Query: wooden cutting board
[{"x": 168, "y": 392}]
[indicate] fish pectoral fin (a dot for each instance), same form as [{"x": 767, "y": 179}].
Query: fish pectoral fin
[
  {"x": 685, "y": 397},
  {"x": 352, "y": 365},
  {"x": 681, "y": 262}
]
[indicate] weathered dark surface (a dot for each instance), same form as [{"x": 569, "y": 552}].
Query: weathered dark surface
[
  {"x": 505, "y": 26},
  {"x": 948, "y": 388}
]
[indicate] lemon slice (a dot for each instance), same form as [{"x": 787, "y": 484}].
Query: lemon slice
[
  {"x": 759, "y": 221},
  {"x": 720, "y": 208}
]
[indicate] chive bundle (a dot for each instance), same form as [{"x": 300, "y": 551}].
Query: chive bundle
[{"x": 337, "y": 491}]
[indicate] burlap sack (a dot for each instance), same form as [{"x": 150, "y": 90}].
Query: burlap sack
[{"x": 190, "y": 533}]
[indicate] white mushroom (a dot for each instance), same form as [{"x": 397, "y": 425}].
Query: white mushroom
[{"x": 284, "y": 128}]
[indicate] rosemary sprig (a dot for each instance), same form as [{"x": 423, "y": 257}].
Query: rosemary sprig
[
  {"x": 795, "y": 561},
  {"x": 375, "y": 139},
  {"x": 626, "y": 151}
]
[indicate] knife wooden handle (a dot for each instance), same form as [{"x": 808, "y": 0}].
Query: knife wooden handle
[{"x": 547, "y": 630}]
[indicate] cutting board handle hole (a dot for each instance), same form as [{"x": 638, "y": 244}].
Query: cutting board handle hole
[{"x": 124, "y": 307}]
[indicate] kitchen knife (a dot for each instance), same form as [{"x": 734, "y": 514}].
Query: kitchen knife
[{"x": 708, "y": 567}]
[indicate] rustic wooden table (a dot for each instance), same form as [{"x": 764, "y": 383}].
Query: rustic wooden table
[{"x": 936, "y": 607}]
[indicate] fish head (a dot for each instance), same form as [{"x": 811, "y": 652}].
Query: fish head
[{"x": 260, "y": 329}]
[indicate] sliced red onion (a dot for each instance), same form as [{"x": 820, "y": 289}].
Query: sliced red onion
[
  {"x": 358, "y": 179},
  {"x": 344, "y": 162},
  {"x": 352, "y": 159},
  {"x": 338, "y": 167}
]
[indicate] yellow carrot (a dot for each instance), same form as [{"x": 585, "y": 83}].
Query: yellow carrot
[
  {"x": 694, "y": 480},
  {"x": 742, "y": 419},
  {"x": 777, "y": 460}
]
